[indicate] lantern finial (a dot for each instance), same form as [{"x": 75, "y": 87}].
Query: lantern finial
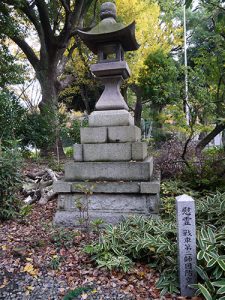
[{"x": 108, "y": 10}]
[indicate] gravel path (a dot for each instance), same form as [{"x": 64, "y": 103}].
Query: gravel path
[{"x": 22, "y": 286}]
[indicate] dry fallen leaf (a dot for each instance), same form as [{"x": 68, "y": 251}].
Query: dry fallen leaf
[
  {"x": 30, "y": 288},
  {"x": 29, "y": 259},
  {"x": 84, "y": 296},
  {"x": 5, "y": 282},
  {"x": 29, "y": 268}
]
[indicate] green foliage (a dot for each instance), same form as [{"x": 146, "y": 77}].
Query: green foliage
[
  {"x": 206, "y": 59},
  {"x": 25, "y": 211},
  {"x": 55, "y": 165},
  {"x": 169, "y": 190},
  {"x": 154, "y": 241},
  {"x": 68, "y": 151},
  {"x": 158, "y": 79},
  {"x": 10, "y": 181},
  {"x": 138, "y": 238},
  {"x": 211, "y": 210},
  {"x": 10, "y": 71},
  {"x": 205, "y": 175},
  {"x": 97, "y": 224},
  {"x": 82, "y": 204},
  {"x": 211, "y": 268},
  {"x": 168, "y": 282},
  {"x": 62, "y": 237},
  {"x": 12, "y": 117},
  {"x": 39, "y": 130},
  {"x": 55, "y": 262},
  {"x": 159, "y": 85},
  {"x": 71, "y": 135},
  {"x": 77, "y": 292}
]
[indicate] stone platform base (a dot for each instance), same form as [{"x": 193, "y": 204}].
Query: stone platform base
[
  {"x": 74, "y": 208},
  {"x": 72, "y": 218}
]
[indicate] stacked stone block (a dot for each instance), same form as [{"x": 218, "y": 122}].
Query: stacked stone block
[{"x": 111, "y": 176}]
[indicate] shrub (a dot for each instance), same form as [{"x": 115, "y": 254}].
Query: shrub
[
  {"x": 10, "y": 181},
  {"x": 169, "y": 157},
  {"x": 77, "y": 292},
  {"x": 211, "y": 266},
  {"x": 169, "y": 190},
  {"x": 139, "y": 238},
  {"x": 155, "y": 241},
  {"x": 38, "y": 130},
  {"x": 211, "y": 210},
  {"x": 70, "y": 133},
  {"x": 203, "y": 173},
  {"x": 12, "y": 117},
  {"x": 208, "y": 172}
]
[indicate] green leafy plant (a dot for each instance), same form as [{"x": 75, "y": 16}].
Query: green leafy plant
[
  {"x": 62, "y": 237},
  {"x": 82, "y": 204},
  {"x": 138, "y": 238},
  {"x": 70, "y": 132},
  {"x": 155, "y": 242},
  {"x": 12, "y": 118},
  {"x": 77, "y": 292},
  {"x": 211, "y": 209},
  {"x": 55, "y": 262},
  {"x": 68, "y": 151},
  {"x": 207, "y": 173},
  {"x": 97, "y": 225},
  {"x": 211, "y": 267},
  {"x": 169, "y": 190},
  {"x": 25, "y": 211},
  {"x": 10, "y": 180}
]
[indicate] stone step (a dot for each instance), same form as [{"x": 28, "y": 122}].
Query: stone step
[
  {"x": 114, "y": 134},
  {"x": 122, "y": 134},
  {"x": 104, "y": 206},
  {"x": 110, "y": 152},
  {"x": 107, "y": 152},
  {"x": 93, "y": 135},
  {"x": 108, "y": 202},
  {"x": 110, "y": 118},
  {"x": 73, "y": 218},
  {"x": 111, "y": 171},
  {"x": 151, "y": 187}
]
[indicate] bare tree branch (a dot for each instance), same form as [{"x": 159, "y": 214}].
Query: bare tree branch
[
  {"x": 30, "y": 13},
  {"x": 45, "y": 21},
  {"x": 68, "y": 80},
  {"x": 65, "y": 59},
  {"x": 66, "y": 5},
  {"x": 29, "y": 52},
  {"x": 94, "y": 14}
]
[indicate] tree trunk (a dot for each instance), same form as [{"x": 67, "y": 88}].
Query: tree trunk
[
  {"x": 204, "y": 142},
  {"x": 49, "y": 109},
  {"x": 124, "y": 89},
  {"x": 138, "y": 112},
  {"x": 85, "y": 99}
]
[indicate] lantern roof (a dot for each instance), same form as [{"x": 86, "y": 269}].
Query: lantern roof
[{"x": 108, "y": 31}]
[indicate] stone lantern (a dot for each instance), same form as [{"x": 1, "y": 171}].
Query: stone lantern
[
  {"x": 109, "y": 40},
  {"x": 112, "y": 175}
]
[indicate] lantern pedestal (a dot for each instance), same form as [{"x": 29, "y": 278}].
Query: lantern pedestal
[
  {"x": 111, "y": 74},
  {"x": 112, "y": 176}
]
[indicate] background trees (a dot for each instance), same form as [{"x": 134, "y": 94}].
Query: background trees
[
  {"x": 46, "y": 33},
  {"x": 159, "y": 84},
  {"x": 49, "y": 26}
]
